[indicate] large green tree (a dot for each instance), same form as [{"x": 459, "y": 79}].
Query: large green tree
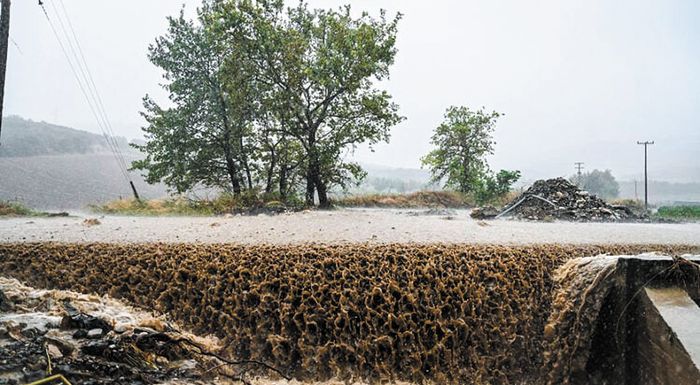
[
  {"x": 204, "y": 138},
  {"x": 462, "y": 142},
  {"x": 319, "y": 68}
]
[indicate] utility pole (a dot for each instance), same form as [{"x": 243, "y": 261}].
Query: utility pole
[
  {"x": 4, "y": 37},
  {"x": 646, "y": 185},
  {"x": 579, "y": 167}
]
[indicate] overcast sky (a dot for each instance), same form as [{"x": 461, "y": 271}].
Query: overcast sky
[{"x": 576, "y": 80}]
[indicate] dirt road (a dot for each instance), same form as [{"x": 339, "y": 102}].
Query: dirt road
[{"x": 338, "y": 226}]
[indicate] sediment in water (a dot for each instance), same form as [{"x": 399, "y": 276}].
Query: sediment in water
[{"x": 441, "y": 313}]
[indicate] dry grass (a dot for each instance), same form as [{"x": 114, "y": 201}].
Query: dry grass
[
  {"x": 16, "y": 209},
  {"x": 441, "y": 313},
  {"x": 447, "y": 199},
  {"x": 224, "y": 204}
]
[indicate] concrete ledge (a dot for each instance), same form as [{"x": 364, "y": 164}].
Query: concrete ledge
[{"x": 669, "y": 338}]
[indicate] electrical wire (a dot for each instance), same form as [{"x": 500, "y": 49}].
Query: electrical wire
[
  {"x": 92, "y": 82},
  {"x": 91, "y": 102},
  {"x": 90, "y": 85}
]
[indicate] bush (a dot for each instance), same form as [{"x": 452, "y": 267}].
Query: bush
[
  {"x": 8, "y": 208},
  {"x": 679, "y": 212},
  {"x": 492, "y": 187}
]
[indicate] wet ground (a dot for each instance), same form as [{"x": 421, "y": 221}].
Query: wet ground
[{"x": 341, "y": 226}]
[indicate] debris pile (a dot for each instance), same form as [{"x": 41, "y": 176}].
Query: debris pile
[
  {"x": 559, "y": 199},
  {"x": 97, "y": 340}
]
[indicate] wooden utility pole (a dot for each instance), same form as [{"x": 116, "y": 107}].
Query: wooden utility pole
[
  {"x": 646, "y": 186},
  {"x": 4, "y": 38}
]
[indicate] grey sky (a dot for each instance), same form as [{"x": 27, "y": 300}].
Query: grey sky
[{"x": 577, "y": 80}]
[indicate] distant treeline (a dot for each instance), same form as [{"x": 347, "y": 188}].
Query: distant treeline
[{"x": 662, "y": 191}]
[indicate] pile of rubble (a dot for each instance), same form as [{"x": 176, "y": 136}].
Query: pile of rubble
[
  {"x": 559, "y": 199},
  {"x": 98, "y": 340}
]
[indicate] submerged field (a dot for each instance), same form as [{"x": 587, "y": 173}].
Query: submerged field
[{"x": 444, "y": 313}]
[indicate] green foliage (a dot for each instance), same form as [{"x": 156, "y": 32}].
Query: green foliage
[
  {"x": 492, "y": 187},
  {"x": 14, "y": 209},
  {"x": 202, "y": 140},
  {"x": 17, "y": 209},
  {"x": 270, "y": 98},
  {"x": 600, "y": 183},
  {"x": 679, "y": 212},
  {"x": 462, "y": 143}
]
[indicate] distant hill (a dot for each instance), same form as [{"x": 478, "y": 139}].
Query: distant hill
[
  {"x": 23, "y": 137},
  {"x": 47, "y": 166}
]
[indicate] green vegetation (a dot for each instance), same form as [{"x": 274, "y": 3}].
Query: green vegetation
[
  {"x": 268, "y": 98},
  {"x": 23, "y": 138},
  {"x": 249, "y": 202},
  {"x": 14, "y": 209},
  {"x": 462, "y": 143},
  {"x": 600, "y": 183},
  {"x": 679, "y": 212},
  {"x": 17, "y": 209}
]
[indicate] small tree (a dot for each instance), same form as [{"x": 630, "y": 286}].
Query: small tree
[
  {"x": 463, "y": 141},
  {"x": 600, "y": 183},
  {"x": 495, "y": 186}
]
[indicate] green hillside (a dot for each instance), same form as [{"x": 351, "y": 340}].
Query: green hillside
[{"x": 23, "y": 137}]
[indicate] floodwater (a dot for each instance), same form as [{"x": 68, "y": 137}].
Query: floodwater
[{"x": 341, "y": 226}]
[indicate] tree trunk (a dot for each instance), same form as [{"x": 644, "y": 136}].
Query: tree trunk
[
  {"x": 233, "y": 175},
  {"x": 244, "y": 157},
  {"x": 271, "y": 171},
  {"x": 312, "y": 168},
  {"x": 322, "y": 189},
  {"x": 310, "y": 185},
  {"x": 283, "y": 182}
]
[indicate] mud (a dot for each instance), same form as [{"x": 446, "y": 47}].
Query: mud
[{"x": 442, "y": 313}]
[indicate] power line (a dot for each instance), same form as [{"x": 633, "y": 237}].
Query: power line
[
  {"x": 16, "y": 45},
  {"x": 92, "y": 90},
  {"x": 80, "y": 85},
  {"x": 86, "y": 81},
  {"x": 92, "y": 82}
]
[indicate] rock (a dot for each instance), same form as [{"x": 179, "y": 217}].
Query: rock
[
  {"x": 84, "y": 321},
  {"x": 94, "y": 334},
  {"x": 485, "y": 212},
  {"x": 80, "y": 333},
  {"x": 95, "y": 348},
  {"x": 5, "y": 303},
  {"x": 65, "y": 347},
  {"x": 54, "y": 351}
]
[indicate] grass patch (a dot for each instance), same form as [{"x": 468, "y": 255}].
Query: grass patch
[
  {"x": 679, "y": 212},
  {"x": 448, "y": 199},
  {"x": 225, "y": 204},
  {"x": 17, "y": 209}
]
